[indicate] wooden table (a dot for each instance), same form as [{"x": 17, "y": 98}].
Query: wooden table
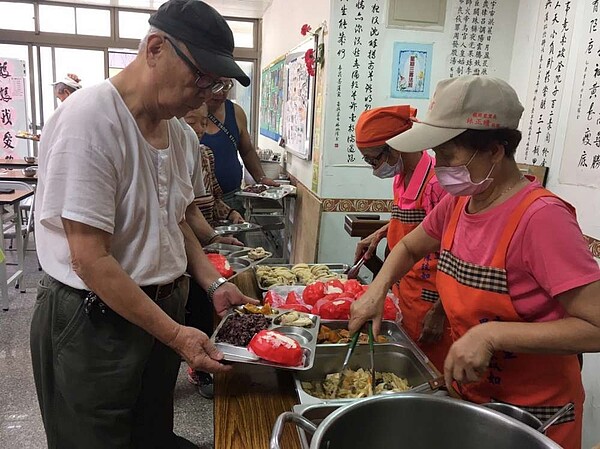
[
  {"x": 14, "y": 199},
  {"x": 249, "y": 398},
  {"x": 16, "y": 163},
  {"x": 17, "y": 175}
]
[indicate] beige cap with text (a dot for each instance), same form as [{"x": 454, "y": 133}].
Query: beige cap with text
[{"x": 458, "y": 104}]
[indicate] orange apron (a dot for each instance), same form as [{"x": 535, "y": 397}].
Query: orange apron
[
  {"x": 472, "y": 294},
  {"x": 417, "y": 290}
]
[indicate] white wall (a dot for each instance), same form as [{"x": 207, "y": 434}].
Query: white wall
[
  {"x": 583, "y": 198},
  {"x": 281, "y": 33},
  {"x": 357, "y": 180}
]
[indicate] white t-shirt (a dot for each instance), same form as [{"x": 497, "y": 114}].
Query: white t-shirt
[{"x": 96, "y": 168}]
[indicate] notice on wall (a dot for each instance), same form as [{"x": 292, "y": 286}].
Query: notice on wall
[
  {"x": 473, "y": 32},
  {"x": 411, "y": 70},
  {"x": 552, "y": 43},
  {"x": 13, "y": 112},
  {"x": 356, "y": 27},
  {"x": 581, "y": 158},
  {"x": 271, "y": 102},
  {"x": 298, "y": 102}
]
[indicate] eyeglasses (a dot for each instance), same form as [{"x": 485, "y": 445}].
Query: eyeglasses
[
  {"x": 373, "y": 161},
  {"x": 203, "y": 80}
]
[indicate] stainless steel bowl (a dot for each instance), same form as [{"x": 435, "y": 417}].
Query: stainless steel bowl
[
  {"x": 415, "y": 421},
  {"x": 29, "y": 171}
]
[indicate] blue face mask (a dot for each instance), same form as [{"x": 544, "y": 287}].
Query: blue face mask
[{"x": 386, "y": 170}]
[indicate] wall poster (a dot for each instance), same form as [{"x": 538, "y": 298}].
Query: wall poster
[
  {"x": 552, "y": 42},
  {"x": 581, "y": 158},
  {"x": 271, "y": 102},
  {"x": 411, "y": 70},
  {"x": 473, "y": 31},
  {"x": 299, "y": 100},
  {"x": 357, "y": 26},
  {"x": 13, "y": 108}
]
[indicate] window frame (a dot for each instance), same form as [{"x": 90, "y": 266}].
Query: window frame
[{"x": 36, "y": 39}]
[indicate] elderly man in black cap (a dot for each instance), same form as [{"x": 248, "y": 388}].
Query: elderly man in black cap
[{"x": 106, "y": 335}]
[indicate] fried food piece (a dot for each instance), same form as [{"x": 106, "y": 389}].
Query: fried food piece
[{"x": 341, "y": 336}]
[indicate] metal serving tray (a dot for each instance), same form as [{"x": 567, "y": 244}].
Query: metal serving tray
[
  {"x": 305, "y": 336},
  {"x": 337, "y": 268},
  {"x": 389, "y": 357},
  {"x": 237, "y": 256},
  {"x": 392, "y": 330},
  {"x": 231, "y": 228},
  {"x": 272, "y": 193}
]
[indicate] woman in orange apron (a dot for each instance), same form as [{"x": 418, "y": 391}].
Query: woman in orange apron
[
  {"x": 520, "y": 301},
  {"x": 416, "y": 192}
]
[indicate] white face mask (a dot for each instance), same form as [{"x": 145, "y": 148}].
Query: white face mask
[
  {"x": 386, "y": 170},
  {"x": 457, "y": 180}
]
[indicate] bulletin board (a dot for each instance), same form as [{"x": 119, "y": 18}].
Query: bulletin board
[
  {"x": 299, "y": 100},
  {"x": 271, "y": 99}
]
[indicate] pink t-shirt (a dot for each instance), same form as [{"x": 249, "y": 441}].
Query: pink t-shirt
[
  {"x": 432, "y": 191},
  {"x": 546, "y": 257}
]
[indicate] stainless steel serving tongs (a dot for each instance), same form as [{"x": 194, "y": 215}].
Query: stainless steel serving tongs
[
  {"x": 352, "y": 272},
  {"x": 372, "y": 354},
  {"x": 351, "y": 347}
]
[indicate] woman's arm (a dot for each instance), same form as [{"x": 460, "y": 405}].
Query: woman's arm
[
  {"x": 470, "y": 356},
  {"x": 221, "y": 210},
  {"x": 412, "y": 248}
]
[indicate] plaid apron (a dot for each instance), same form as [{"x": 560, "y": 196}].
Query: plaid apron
[
  {"x": 473, "y": 294},
  {"x": 417, "y": 290}
]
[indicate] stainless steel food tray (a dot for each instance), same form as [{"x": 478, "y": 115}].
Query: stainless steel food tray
[
  {"x": 396, "y": 358},
  {"x": 337, "y": 268},
  {"x": 232, "y": 229},
  {"x": 237, "y": 256},
  {"x": 273, "y": 193},
  {"x": 392, "y": 330},
  {"x": 305, "y": 336}
]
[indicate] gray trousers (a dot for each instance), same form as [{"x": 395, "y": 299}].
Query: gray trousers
[
  {"x": 101, "y": 381},
  {"x": 234, "y": 201}
]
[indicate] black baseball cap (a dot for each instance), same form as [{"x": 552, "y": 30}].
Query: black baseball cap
[{"x": 204, "y": 32}]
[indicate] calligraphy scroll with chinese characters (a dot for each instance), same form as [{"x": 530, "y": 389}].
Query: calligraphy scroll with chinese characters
[
  {"x": 473, "y": 32},
  {"x": 356, "y": 28},
  {"x": 553, "y": 39},
  {"x": 13, "y": 116},
  {"x": 581, "y": 158}
]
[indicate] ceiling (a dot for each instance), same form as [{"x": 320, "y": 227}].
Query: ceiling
[{"x": 234, "y": 8}]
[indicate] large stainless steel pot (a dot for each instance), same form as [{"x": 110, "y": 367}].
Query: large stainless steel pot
[{"x": 415, "y": 421}]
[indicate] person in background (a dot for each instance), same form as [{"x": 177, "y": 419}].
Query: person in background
[
  {"x": 66, "y": 86},
  {"x": 107, "y": 333},
  {"x": 521, "y": 302},
  {"x": 199, "y": 310},
  {"x": 227, "y": 135},
  {"x": 210, "y": 203},
  {"x": 416, "y": 193}
]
